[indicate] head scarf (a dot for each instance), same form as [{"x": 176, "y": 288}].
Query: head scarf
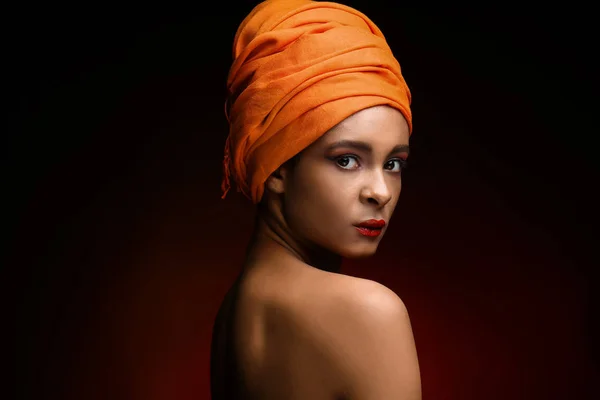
[{"x": 300, "y": 68}]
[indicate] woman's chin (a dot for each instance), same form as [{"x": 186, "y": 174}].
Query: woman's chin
[{"x": 358, "y": 252}]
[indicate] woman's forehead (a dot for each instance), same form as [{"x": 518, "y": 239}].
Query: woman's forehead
[{"x": 380, "y": 125}]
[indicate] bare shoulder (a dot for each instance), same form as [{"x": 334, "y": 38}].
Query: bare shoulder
[
  {"x": 367, "y": 298},
  {"x": 367, "y": 334},
  {"x": 351, "y": 300}
]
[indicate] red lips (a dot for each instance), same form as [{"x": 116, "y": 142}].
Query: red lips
[{"x": 371, "y": 228}]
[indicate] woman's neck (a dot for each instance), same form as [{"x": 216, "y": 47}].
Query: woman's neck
[{"x": 272, "y": 240}]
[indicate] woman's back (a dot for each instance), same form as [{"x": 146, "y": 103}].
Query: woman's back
[
  {"x": 284, "y": 332},
  {"x": 261, "y": 346}
]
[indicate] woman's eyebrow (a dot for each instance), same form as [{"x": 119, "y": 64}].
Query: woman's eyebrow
[
  {"x": 356, "y": 144},
  {"x": 401, "y": 148}
]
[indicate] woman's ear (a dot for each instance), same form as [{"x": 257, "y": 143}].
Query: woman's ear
[{"x": 276, "y": 181}]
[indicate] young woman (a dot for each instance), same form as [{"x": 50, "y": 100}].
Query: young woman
[{"x": 319, "y": 129}]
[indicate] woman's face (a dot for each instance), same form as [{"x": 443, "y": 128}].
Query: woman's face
[{"x": 350, "y": 175}]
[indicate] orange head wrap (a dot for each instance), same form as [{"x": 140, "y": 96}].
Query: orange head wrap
[{"x": 300, "y": 68}]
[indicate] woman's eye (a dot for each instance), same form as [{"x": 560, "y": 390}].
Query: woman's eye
[
  {"x": 347, "y": 162},
  {"x": 395, "y": 165}
]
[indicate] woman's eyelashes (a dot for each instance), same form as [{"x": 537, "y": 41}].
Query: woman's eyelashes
[{"x": 351, "y": 161}]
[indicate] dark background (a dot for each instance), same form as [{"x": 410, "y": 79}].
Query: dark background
[{"x": 120, "y": 248}]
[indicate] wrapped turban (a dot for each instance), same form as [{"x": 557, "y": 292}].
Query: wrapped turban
[{"x": 300, "y": 68}]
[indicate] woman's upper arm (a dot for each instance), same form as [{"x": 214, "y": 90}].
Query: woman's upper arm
[{"x": 375, "y": 351}]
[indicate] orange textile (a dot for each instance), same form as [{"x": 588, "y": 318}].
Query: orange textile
[{"x": 300, "y": 68}]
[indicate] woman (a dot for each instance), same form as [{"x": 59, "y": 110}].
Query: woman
[{"x": 319, "y": 127}]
